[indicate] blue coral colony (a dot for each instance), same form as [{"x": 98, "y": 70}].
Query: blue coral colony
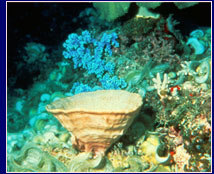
[
  {"x": 146, "y": 54},
  {"x": 91, "y": 60}
]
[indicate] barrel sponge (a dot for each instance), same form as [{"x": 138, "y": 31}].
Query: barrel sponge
[{"x": 109, "y": 11}]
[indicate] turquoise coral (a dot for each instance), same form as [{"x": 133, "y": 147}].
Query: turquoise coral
[{"x": 77, "y": 48}]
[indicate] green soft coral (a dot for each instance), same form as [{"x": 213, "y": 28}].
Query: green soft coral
[{"x": 109, "y": 11}]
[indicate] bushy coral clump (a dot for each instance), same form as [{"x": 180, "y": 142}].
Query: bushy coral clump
[
  {"x": 78, "y": 47},
  {"x": 87, "y": 53}
]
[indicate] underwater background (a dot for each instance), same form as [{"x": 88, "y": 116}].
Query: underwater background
[{"x": 159, "y": 50}]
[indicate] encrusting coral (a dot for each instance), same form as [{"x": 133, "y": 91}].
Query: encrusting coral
[{"x": 97, "y": 119}]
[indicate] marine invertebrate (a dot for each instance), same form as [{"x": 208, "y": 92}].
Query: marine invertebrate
[
  {"x": 87, "y": 52},
  {"x": 106, "y": 81},
  {"x": 181, "y": 157},
  {"x": 182, "y": 5},
  {"x": 77, "y": 47},
  {"x": 35, "y": 52},
  {"x": 162, "y": 87},
  {"x": 200, "y": 70},
  {"x": 162, "y": 154},
  {"x": 45, "y": 97},
  {"x": 14, "y": 141},
  {"x": 159, "y": 69},
  {"x": 17, "y": 118},
  {"x": 32, "y": 159},
  {"x": 148, "y": 148},
  {"x": 136, "y": 27},
  {"x": 187, "y": 68},
  {"x": 174, "y": 90},
  {"x": 159, "y": 49},
  {"x": 111, "y": 10},
  {"x": 118, "y": 9},
  {"x": 112, "y": 82},
  {"x": 136, "y": 164},
  {"x": 197, "y": 45},
  {"x": 163, "y": 159},
  {"x": 197, "y": 138},
  {"x": 136, "y": 79},
  {"x": 197, "y": 33},
  {"x": 124, "y": 161},
  {"x": 143, "y": 12},
  {"x": 84, "y": 162},
  {"x": 170, "y": 27},
  {"x": 198, "y": 41},
  {"x": 96, "y": 119},
  {"x": 203, "y": 72}
]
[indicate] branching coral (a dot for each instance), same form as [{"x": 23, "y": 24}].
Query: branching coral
[
  {"x": 162, "y": 87},
  {"x": 78, "y": 47},
  {"x": 87, "y": 52},
  {"x": 159, "y": 49}
]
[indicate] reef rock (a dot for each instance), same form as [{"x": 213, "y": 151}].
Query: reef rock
[{"x": 97, "y": 119}]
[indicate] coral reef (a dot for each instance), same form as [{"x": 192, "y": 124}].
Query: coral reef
[{"x": 129, "y": 90}]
